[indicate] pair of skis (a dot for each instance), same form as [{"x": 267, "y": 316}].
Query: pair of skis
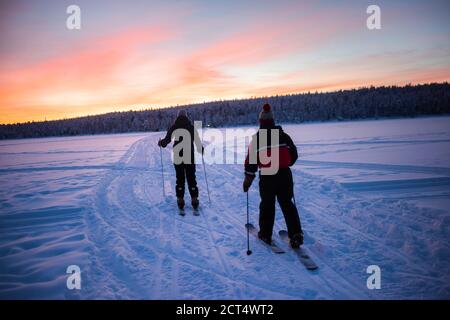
[
  {"x": 304, "y": 258},
  {"x": 183, "y": 213}
]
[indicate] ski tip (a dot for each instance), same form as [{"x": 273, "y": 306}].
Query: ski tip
[{"x": 312, "y": 268}]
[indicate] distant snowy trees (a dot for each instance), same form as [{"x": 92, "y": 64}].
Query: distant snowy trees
[{"x": 363, "y": 103}]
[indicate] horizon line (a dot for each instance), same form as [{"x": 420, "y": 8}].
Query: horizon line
[{"x": 190, "y": 105}]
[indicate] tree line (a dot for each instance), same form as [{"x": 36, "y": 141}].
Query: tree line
[{"x": 362, "y": 103}]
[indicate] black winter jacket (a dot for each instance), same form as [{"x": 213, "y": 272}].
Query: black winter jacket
[{"x": 183, "y": 122}]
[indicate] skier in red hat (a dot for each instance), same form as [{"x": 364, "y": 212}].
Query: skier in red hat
[{"x": 275, "y": 177}]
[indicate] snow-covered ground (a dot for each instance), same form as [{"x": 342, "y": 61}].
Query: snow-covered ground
[{"x": 368, "y": 192}]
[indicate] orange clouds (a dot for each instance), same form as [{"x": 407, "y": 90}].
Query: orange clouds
[
  {"x": 292, "y": 49},
  {"x": 75, "y": 77}
]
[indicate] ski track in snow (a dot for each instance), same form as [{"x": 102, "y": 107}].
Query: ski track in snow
[{"x": 130, "y": 241}]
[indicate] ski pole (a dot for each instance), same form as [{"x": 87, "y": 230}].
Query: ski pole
[
  {"x": 206, "y": 180},
  {"x": 249, "y": 252},
  {"x": 162, "y": 169},
  {"x": 293, "y": 191}
]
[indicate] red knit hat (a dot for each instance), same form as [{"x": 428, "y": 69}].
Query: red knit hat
[{"x": 266, "y": 116}]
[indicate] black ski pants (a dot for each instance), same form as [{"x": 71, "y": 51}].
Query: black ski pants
[
  {"x": 186, "y": 172},
  {"x": 277, "y": 187}
]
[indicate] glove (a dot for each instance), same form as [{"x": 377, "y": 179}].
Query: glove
[
  {"x": 201, "y": 151},
  {"x": 247, "y": 182}
]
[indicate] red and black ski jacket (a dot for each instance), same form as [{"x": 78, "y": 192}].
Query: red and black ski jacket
[{"x": 287, "y": 151}]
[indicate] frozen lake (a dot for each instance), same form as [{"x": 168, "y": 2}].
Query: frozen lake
[{"x": 368, "y": 192}]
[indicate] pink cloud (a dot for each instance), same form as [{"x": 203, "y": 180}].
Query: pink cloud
[
  {"x": 144, "y": 66},
  {"x": 89, "y": 68}
]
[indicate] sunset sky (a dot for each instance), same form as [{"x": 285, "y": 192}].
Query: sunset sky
[{"x": 145, "y": 54}]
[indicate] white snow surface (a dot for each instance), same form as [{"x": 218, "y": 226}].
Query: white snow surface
[{"x": 368, "y": 193}]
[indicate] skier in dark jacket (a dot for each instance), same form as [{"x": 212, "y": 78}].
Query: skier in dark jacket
[
  {"x": 273, "y": 158},
  {"x": 185, "y": 135}
]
